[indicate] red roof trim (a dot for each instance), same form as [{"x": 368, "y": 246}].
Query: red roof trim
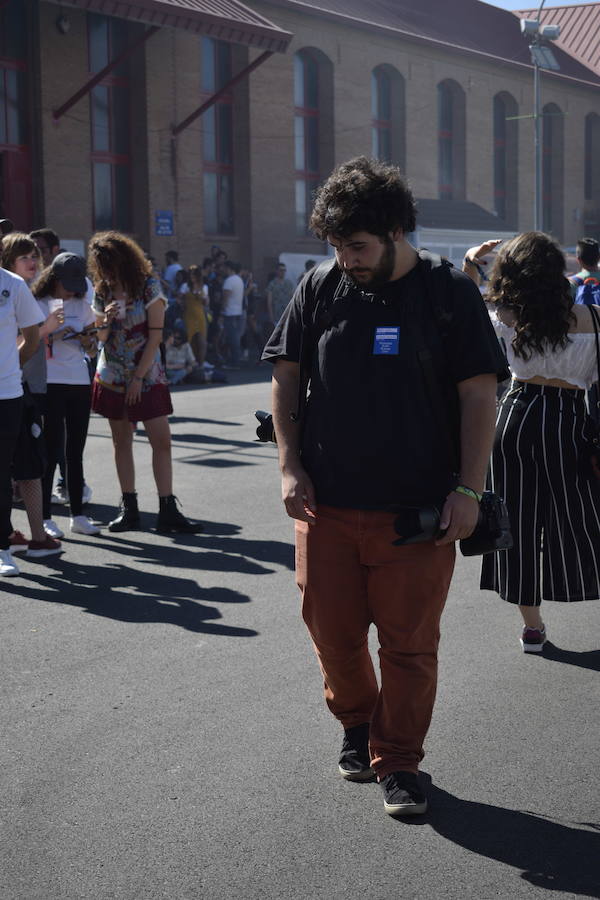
[
  {"x": 312, "y": 9},
  {"x": 225, "y": 20}
]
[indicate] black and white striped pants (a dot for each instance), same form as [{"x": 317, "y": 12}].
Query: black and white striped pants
[{"x": 539, "y": 465}]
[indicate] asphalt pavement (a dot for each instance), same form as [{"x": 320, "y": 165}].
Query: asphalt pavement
[{"x": 163, "y": 734}]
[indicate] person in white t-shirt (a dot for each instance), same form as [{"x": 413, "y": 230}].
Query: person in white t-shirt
[
  {"x": 169, "y": 273},
  {"x": 68, "y": 398},
  {"x": 21, "y": 256},
  {"x": 232, "y": 310},
  {"x": 18, "y": 311}
]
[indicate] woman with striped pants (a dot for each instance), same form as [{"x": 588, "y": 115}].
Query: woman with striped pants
[{"x": 541, "y": 459}]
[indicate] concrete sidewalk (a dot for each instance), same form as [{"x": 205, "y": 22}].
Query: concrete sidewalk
[{"x": 163, "y": 735}]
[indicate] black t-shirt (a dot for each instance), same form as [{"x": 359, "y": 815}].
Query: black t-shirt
[{"x": 371, "y": 439}]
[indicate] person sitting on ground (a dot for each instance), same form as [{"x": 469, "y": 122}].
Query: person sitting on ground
[{"x": 180, "y": 358}]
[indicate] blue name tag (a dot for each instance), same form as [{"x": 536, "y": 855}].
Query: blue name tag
[{"x": 387, "y": 341}]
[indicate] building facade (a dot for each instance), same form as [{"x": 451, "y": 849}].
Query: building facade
[{"x": 451, "y": 107}]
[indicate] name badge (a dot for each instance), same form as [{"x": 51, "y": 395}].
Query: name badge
[{"x": 387, "y": 341}]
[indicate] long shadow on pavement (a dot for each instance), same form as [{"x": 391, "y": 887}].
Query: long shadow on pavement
[
  {"x": 116, "y": 591},
  {"x": 211, "y": 559},
  {"x": 549, "y": 854},
  {"x": 585, "y": 659}
]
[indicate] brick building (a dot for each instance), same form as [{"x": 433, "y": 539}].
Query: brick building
[{"x": 444, "y": 90}]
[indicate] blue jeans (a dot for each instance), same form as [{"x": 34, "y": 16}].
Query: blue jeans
[
  {"x": 176, "y": 375},
  {"x": 232, "y": 326}
]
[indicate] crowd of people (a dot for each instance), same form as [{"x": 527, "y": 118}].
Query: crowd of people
[
  {"x": 70, "y": 344},
  {"x": 217, "y": 316}
]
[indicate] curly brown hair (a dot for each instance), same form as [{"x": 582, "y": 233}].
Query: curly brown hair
[
  {"x": 363, "y": 195},
  {"x": 528, "y": 277},
  {"x": 114, "y": 257},
  {"x": 15, "y": 244}
]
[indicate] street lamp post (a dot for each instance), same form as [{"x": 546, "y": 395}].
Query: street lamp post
[{"x": 542, "y": 58}]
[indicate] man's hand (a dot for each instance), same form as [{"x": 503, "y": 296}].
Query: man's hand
[
  {"x": 458, "y": 519},
  {"x": 298, "y": 495}
]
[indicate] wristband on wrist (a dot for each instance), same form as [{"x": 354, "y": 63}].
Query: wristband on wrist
[{"x": 468, "y": 492}]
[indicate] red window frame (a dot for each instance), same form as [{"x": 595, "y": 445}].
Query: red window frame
[
  {"x": 309, "y": 177},
  {"x": 220, "y": 166},
  {"x": 16, "y": 159},
  {"x": 110, "y": 81}
]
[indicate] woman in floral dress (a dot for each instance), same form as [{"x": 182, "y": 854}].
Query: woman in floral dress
[{"x": 130, "y": 383}]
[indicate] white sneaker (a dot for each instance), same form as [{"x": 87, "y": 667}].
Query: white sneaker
[
  {"x": 7, "y": 564},
  {"x": 52, "y": 529},
  {"x": 83, "y": 525},
  {"x": 87, "y": 494},
  {"x": 61, "y": 495}
]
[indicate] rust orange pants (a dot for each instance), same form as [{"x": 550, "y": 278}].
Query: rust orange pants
[{"x": 351, "y": 576}]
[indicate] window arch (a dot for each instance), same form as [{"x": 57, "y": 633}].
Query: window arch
[
  {"x": 388, "y": 115},
  {"x": 217, "y": 139},
  {"x": 15, "y": 148},
  {"x": 451, "y": 140},
  {"x": 313, "y": 127},
  {"x": 553, "y": 139},
  {"x": 506, "y": 154},
  {"x": 592, "y": 175}
]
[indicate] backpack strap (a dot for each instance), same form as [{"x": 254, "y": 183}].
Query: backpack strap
[
  {"x": 315, "y": 321},
  {"x": 436, "y": 277}
]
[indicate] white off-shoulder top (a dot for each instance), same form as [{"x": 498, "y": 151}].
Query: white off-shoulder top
[{"x": 576, "y": 363}]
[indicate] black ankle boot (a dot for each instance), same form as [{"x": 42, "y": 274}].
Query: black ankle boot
[
  {"x": 129, "y": 514},
  {"x": 171, "y": 519}
]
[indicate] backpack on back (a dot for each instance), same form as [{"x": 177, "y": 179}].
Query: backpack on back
[{"x": 588, "y": 290}]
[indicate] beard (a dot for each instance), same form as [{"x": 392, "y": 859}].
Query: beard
[{"x": 370, "y": 280}]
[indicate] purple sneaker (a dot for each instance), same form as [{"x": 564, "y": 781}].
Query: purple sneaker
[{"x": 533, "y": 639}]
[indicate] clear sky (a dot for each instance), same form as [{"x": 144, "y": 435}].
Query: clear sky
[{"x": 523, "y": 4}]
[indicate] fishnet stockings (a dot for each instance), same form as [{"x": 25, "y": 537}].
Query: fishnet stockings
[{"x": 31, "y": 494}]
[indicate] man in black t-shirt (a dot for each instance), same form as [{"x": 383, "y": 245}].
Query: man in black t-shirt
[{"x": 370, "y": 453}]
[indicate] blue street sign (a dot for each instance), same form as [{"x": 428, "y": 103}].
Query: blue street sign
[{"x": 163, "y": 222}]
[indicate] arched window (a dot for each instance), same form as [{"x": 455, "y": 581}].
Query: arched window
[
  {"x": 313, "y": 128},
  {"x": 15, "y": 156},
  {"x": 388, "y": 115},
  {"x": 451, "y": 140},
  {"x": 217, "y": 139},
  {"x": 111, "y": 125},
  {"x": 553, "y": 170},
  {"x": 506, "y": 153},
  {"x": 592, "y": 175}
]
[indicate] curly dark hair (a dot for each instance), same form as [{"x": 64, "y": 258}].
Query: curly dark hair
[
  {"x": 113, "y": 257},
  {"x": 528, "y": 277},
  {"x": 363, "y": 195}
]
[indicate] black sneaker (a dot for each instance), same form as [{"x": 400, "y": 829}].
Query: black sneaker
[
  {"x": 354, "y": 762},
  {"x": 402, "y": 795}
]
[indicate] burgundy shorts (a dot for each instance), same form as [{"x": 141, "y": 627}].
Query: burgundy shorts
[{"x": 154, "y": 402}]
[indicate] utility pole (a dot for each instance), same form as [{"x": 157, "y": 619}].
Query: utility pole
[{"x": 542, "y": 58}]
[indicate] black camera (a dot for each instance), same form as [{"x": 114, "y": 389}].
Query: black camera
[
  {"x": 415, "y": 525},
  {"x": 265, "y": 431}
]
